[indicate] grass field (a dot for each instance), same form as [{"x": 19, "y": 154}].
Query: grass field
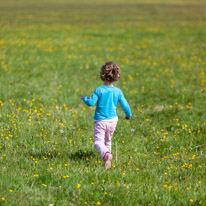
[{"x": 51, "y": 54}]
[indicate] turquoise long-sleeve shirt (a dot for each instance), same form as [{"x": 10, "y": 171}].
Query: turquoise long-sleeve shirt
[{"x": 107, "y": 98}]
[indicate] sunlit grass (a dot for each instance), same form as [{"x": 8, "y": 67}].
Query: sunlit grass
[{"x": 51, "y": 55}]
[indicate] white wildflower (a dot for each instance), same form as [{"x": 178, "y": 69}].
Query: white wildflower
[{"x": 132, "y": 130}]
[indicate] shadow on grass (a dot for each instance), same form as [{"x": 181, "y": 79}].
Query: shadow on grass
[
  {"x": 78, "y": 155},
  {"x": 82, "y": 155}
]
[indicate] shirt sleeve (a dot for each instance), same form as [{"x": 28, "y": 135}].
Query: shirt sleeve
[
  {"x": 92, "y": 100},
  {"x": 124, "y": 105}
]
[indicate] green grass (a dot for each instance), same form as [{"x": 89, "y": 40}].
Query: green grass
[{"x": 51, "y": 54}]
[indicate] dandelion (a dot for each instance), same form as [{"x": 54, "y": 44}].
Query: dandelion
[
  {"x": 36, "y": 175},
  {"x": 191, "y": 200},
  {"x": 10, "y": 190},
  {"x": 3, "y": 198},
  {"x": 98, "y": 203},
  {"x": 78, "y": 186},
  {"x": 105, "y": 193},
  {"x": 118, "y": 185},
  {"x": 127, "y": 187},
  {"x": 44, "y": 185}
]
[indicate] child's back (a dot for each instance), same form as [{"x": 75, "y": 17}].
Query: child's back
[{"x": 107, "y": 98}]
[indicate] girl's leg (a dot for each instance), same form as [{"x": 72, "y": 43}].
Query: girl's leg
[
  {"x": 108, "y": 135},
  {"x": 99, "y": 136},
  {"x": 107, "y": 142}
]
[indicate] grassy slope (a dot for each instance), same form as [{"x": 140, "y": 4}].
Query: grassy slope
[{"x": 51, "y": 54}]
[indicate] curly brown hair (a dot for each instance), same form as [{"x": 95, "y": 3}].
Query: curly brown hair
[{"x": 110, "y": 72}]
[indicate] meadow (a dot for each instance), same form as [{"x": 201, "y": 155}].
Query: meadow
[{"x": 51, "y": 53}]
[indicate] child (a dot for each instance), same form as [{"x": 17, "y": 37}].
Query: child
[{"x": 105, "y": 117}]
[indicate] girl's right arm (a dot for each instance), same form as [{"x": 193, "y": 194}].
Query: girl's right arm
[
  {"x": 83, "y": 97},
  {"x": 90, "y": 101}
]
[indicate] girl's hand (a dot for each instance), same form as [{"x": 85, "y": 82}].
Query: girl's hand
[
  {"x": 128, "y": 118},
  {"x": 83, "y": 97}
]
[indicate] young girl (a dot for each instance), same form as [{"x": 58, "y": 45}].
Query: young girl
[{"x": 105, "y": 117}]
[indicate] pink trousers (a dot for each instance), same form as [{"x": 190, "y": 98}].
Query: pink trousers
[{"x": 103, "y": 132}]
